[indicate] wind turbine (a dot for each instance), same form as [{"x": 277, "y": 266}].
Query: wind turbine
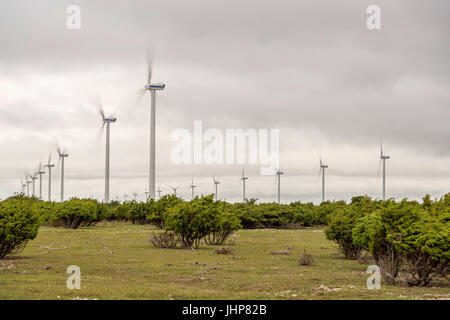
[
  {"x": 322, "y": 169},
  {"x": 383, "y": 159},
  {"x": 135, "y": 194},
  {"x": 243, "y": 178},
  {"x": 62, "y": 155},
  {"x": 125, "y": 196},
  {"x": 159, "y": 192},
  {"x": 107, "y": 120},
  {"x": 192, "y": 186},
  {"x": 49, "y": 166},
  {"x": 146, "y": 195},
  {"x": 279, "y": 173},
  {"x": 24, "y": 185},
  {"x": 28, "y": 185},
  {"x": 216, "y": 183},
  {"x": 40, "y": 173},
  {"x": 175, "y": 190},
  {"x": 152, "y": 87},
  {"x": 33, "y": 178}
]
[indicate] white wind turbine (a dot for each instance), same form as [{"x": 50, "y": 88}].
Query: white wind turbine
[
  {"x": 49, "y": 165},
  {"x": 107, "y": 120},
  {"x": 62, "y": 156},
  {"x": 279, "y": 173},
  {"x": 24, "y": 185},
  {"x": 159, "y": 192},
  {"x": 152, "y": 87},
  {"x": 243, "y": 179},
  {"x": 216, "y": 183},
  {"x": 40, "y": 173},
  {"x": 33, "y": 179},
  {"x": 28, "y": 185},
  {"x": 192, "y": 186},
  {"x": 383, "y": 159},
  {"x": 322, "y": 170}
]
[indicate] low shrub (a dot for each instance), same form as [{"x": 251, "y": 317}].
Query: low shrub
[
  {"x": 194, "y": 220},
  {"x": 305, "y": 259},
  {"x": 165, "y": 239},
  {"x": 18, "y": 225}
]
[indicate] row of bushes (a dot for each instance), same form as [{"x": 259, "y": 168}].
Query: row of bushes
[{"x": 410, "y": 242}]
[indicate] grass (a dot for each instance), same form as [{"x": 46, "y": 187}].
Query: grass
[{"x": 117, "y": 261}]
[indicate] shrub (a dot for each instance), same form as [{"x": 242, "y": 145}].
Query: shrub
[
  {"x": 193, "y": 220},
  {"x": 305, "y": 259},
  {"x": 406, "y": 238},
  {"x": 160, "y": 209},
  {"x": 344, "y": 219},
  {"x": 137, "y": 212},
  {"x": 18, "y": 224},
  {"x": 165, "y": 239},
  {"x": 76, "y": 212},
  {"x": 227, "y": 224}
]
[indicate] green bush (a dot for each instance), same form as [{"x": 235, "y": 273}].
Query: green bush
[
  {"x": 160, "y": 209},
  {"x": 79, "y": 212},
  {"x": 226, "y": 225},
  {"x": 18, "y": 224},
  {"x": 343, "y": 220},
  {"x": 193, "y": 220},
  {"x": 407, "y": 238}
]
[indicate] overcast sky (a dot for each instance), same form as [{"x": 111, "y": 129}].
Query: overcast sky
[{"x": 311, "y": 69}]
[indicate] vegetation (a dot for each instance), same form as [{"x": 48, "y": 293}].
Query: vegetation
[
  {"x": 408, "y": 240},
  {"x": 118, "y": 262},
  {"x": 18, "y": 224}
]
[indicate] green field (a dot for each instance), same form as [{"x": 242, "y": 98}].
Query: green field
[{"x": 117, "y": 261}]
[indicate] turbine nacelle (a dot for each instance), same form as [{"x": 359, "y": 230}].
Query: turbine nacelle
[{"x": 155, "y": 86}]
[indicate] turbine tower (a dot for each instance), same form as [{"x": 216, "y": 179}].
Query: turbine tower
[
  {"x": 107, "y": 121},
  {"x": 243, "y": 178},
  {"x": 28, "y": 186},
  {"x": 49, "y": 165},
  {"x": 383, "y": 159},
  {"x": 62, "y": 155},
  {"x": 175, "y": 190},
  {"x": 322, "y": 169},
  {"x": 159, "y": 192},
  {"x": 216, "y": 183},
  {"x": 24, "y": 185},
  {"x": 40, "y": 173},
  {"x": 279, "y": 173},
  {"x": 192, "y": 186},
  {"x": 152, "y": 87},
  {"x": 33, "y": 178}
]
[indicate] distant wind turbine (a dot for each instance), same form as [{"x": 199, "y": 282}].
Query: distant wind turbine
[
  {"x": 243, "y": 178},
  {"x": 216, "y": 183},
  {"x": 279, "y": 173},
  {"x": 40, "y": 173},
  {"x": 159, "y": 192},
  {"x": 322, "y": 170},
  {"x": 62, "y": 155},
  {"x": 192, "y": 186},
  {"x": 49, "y": 165},
  {"x": 28, "y": 185},
  {"x": 383, "y": 159},
  {"x": 33, "y": 178},
  {"x": 106, "y": 120}
]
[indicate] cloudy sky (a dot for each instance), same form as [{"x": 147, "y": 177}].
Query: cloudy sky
[{"x": 311, "y": 69}]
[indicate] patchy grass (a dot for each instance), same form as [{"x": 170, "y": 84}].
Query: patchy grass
[{"x": 117, "y": 261}]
